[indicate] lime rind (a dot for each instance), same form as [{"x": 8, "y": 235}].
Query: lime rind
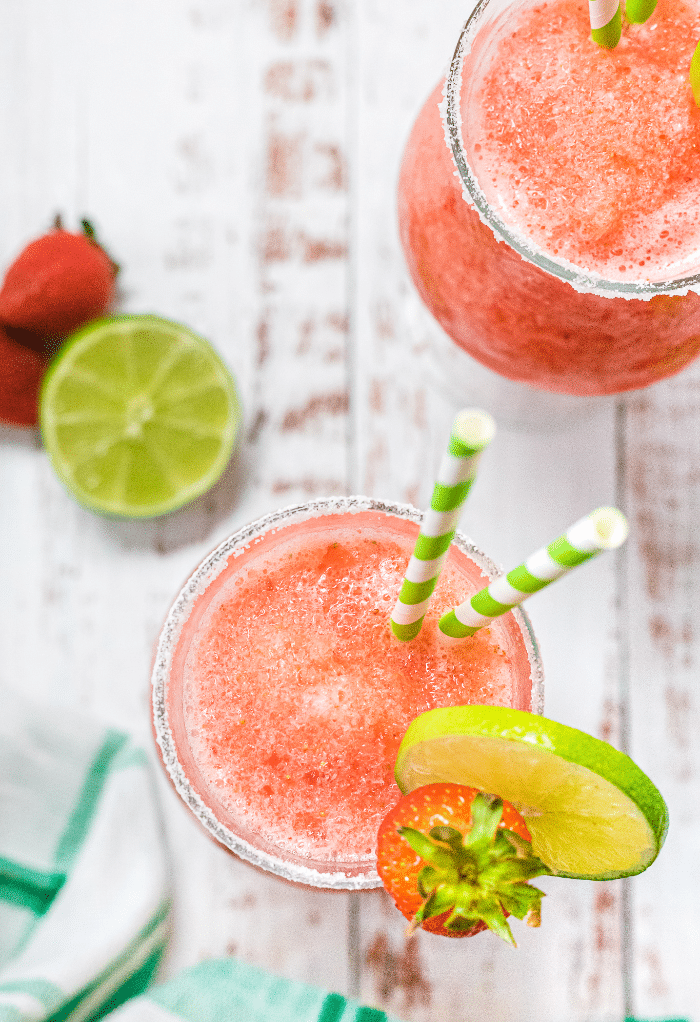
[
  {"x": 101, "y": 379},
  {"x": 591, "y": 811}
]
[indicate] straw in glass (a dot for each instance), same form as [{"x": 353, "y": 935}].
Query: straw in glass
[
  {"x": 603, "y": 529},
  {"x": 472, "y": 431},
  {"x": 606, "y": 22},
  {"x": 639, "y": 11},
  {"x": 695, "y": 74}
]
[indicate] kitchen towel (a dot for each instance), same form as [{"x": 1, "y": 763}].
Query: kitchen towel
[
  {"x": 84, "y": 883},
  {"x": 226, "y": 990}
]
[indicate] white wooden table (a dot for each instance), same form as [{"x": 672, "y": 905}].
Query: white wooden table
[{"x": 239, "y": 158}]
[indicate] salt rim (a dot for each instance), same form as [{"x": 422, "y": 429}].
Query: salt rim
[
  {"x": 179, "y": 612},
  {"x": 582, "y": 279}
]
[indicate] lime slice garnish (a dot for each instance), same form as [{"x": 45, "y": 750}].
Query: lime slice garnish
[
  {"x": 139, "y": 415},
  {"x": 591, "y": 811}
]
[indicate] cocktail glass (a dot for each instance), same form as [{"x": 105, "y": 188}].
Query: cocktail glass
[
  {"x": 517, "y": 309},
  {"x": 241, "y": 552}
]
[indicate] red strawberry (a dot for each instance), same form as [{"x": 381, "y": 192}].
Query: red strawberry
[
  {"x": 21, "y": 373},
  {"x": 456, "y": 861},
  {"x": 56, "y": 284}
]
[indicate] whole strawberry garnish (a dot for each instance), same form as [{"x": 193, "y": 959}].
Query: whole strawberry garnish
[
  {"x": 21, "y": 373},
  {"x": 457, "y": 861},
  {"x": 56, "y": 284}
]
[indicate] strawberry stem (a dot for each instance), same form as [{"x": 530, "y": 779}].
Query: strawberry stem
[
  {"x": 90, "y": 234},
  {"x": 481, "y": 876}
]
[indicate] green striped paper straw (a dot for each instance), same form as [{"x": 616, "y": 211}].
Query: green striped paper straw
[
  {"x": 604, "y": 529},
  {"x": 639, "y": 11},
  {"x": 694, "y": 74},
  {"x": 472, "y": 431},
  {"x": 606, "y": 22}
]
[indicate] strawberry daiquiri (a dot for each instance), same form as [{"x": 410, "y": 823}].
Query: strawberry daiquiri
[
  {"x": 572, "y": 264},
  {"x": 281, "y": 696}
]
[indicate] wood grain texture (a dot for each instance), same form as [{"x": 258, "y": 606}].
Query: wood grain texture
[
  {"x": 240, "y": 159},
  {"x": 662, "y": 482}
]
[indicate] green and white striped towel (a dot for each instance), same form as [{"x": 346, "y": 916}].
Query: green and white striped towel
[
  {"x": 84, "y": 899},
  {"x": 226, "y": 990}
]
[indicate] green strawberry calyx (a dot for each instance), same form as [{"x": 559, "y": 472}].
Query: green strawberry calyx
[
  {"x": 481, "y": 876},
  {"x": 89, "y": 232}
]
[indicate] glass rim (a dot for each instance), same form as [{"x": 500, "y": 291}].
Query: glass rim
[
  {"x": 580, "y": 279},
  {"x": 337, "y": 876}
]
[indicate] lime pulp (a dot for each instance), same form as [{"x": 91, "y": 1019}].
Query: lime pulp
[
  {"x": 138, "y": 415},
  {"x": 591, "y": 811}
]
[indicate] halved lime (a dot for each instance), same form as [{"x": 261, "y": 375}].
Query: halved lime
[
  {"x": 139, "y": 415},
  {"x": 591, "y": 811}
]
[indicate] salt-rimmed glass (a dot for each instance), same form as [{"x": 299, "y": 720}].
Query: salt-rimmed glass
[
  {"x": 521, "y": 311},
  {"x": 232, "y": 555}
]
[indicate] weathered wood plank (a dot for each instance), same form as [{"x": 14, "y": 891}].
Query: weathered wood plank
[{"x": 662, "y": 482}]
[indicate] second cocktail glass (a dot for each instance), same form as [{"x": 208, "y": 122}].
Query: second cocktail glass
[{"x": 515, "y": 306}]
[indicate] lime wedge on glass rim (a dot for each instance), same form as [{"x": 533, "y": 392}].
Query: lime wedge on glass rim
[
  {"x": 138, "y": 415},
  {"x": 591, "y": 812}
]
